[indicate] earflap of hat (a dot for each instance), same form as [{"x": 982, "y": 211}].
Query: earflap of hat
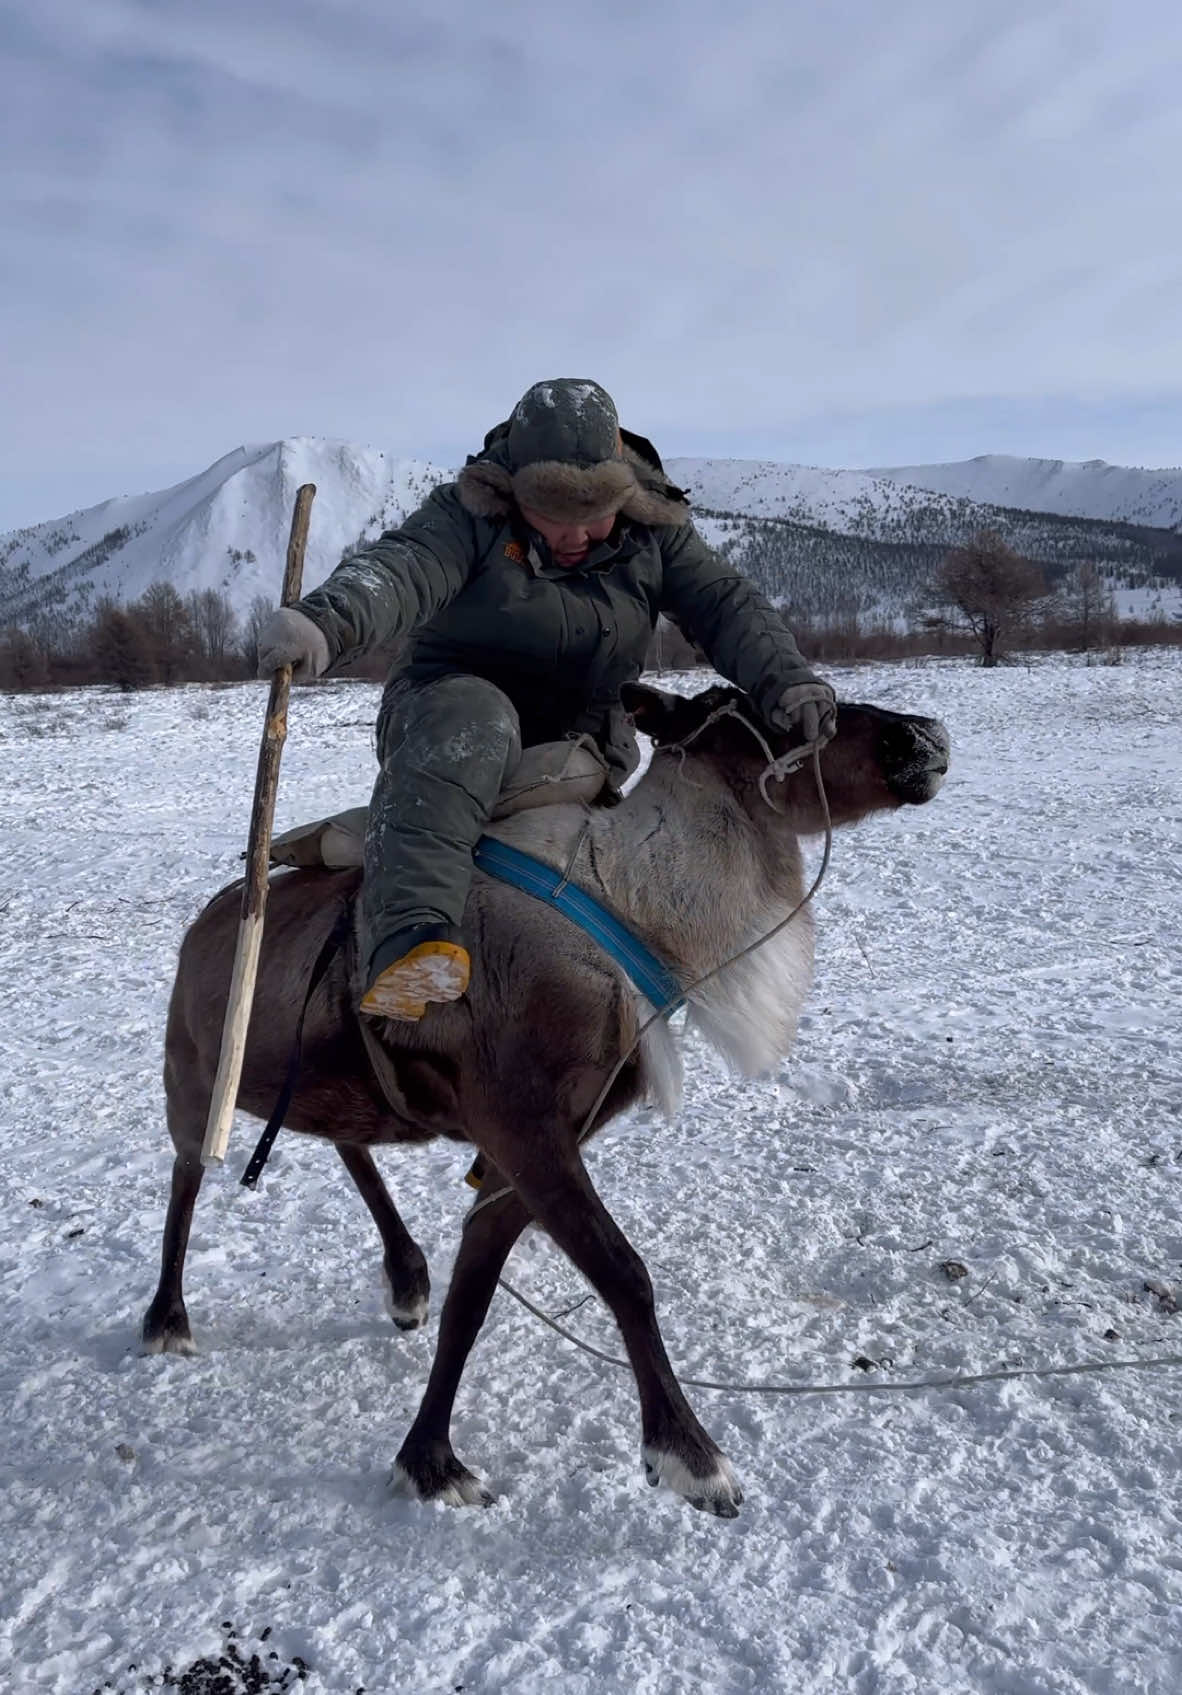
[
  {"x": 657, "y": 500},
  {"x": 650, "y": 506},
  {"x": 485, "y": 489}
]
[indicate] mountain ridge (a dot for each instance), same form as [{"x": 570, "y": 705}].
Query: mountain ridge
[
  {"x": 808, "y": 534},
  {"x": 1088, "y": 488}
]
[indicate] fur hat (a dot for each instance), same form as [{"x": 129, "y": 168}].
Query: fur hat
[{"x": 563, "y": 454}]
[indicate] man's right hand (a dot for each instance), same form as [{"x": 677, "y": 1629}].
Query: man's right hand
[
  {"x": 809, "y": 711},
  {"x": 289, "y": 638}
]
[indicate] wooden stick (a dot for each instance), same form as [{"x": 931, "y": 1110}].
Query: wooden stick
[{"x": 258, "y": 865}]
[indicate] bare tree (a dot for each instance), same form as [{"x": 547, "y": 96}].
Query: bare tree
[
  {"x": 169, "y": 627},
  {"x": 261, "y": 608},
  {"x": 215, "y": 624},
  {"x": 991, "y": 590},
  {"x": 1088, "y": 607},
  {"x": 24, "y": 663},
  {"x": 121, "y": 648}
]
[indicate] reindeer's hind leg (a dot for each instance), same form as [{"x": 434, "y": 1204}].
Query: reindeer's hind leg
[
  {"x": 165, "y": 1328},
  {"x": 427, "y": 1466},
  {"x": 408, "y": 1284},
  {"x": 166, "y": 1323}
]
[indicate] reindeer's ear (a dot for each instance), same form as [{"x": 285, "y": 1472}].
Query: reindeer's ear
[
  {"x": 653, "y": 711},
  {"x": 673, "y": 717}
]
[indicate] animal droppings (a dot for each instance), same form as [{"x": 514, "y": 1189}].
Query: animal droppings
[{"x": 228, "y": 1673}]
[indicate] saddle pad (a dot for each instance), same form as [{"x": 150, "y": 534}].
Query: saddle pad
[{"x": 544, "y": 776}]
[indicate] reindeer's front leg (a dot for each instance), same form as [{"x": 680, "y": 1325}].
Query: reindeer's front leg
[
  {"x": 427, "y": 1466},
  {"x": 553, "y": 1183}
]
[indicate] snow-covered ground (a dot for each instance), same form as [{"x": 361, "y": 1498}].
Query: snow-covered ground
[{"x": 987, "y": 1075}]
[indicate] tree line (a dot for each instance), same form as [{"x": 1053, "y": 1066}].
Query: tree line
[
  {"x": 163, "y": 637},
  {"x": 983, "y": 598},
  {"x": 1002, "y": 602}
]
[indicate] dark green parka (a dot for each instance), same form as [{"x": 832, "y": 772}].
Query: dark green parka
[{"x": 476, "y": 591}]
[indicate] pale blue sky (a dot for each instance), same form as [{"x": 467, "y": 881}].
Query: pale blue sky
[{"x": 858, "y": 234}]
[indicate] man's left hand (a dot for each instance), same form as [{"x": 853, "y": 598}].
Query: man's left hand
[{"x": 807, "y": 710}]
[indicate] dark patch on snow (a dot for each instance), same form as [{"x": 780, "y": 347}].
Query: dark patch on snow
[{"x": 231, "y": 1672}]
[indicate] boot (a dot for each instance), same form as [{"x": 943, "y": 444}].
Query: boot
[{"x": 414, "y": 967}]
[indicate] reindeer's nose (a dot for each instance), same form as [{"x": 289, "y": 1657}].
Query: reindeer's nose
[
  {"x": 924, "y": 764},
  {"x": 933, "y": 739}
]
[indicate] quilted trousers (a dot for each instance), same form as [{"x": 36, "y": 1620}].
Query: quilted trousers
[{"x": 445, "y": 748}]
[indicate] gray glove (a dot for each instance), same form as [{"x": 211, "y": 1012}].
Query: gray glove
[
  {"x": 290, "y": 638},
  {"x": 807, "y": 710}
]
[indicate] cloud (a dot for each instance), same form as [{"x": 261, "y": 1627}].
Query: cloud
[{"x": 227, "y": 223}]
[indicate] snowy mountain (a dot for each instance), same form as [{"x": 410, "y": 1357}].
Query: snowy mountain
[
  {"x": 856, "y": 502},
  {"x": 822, "y": 539},
  {"x": 864, "y": 542},
  {"x": 224, "y": 529},
  {"x": 860, "y": 501},
  {"x": 1091, "y": 489}
]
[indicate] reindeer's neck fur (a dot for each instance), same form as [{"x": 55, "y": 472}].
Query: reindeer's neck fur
[{"x": 698, "y": 878}]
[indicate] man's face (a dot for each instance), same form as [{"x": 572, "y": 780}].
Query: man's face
[{"x": 569, "y": 543}]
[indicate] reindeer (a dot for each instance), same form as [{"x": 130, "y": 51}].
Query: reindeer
[{"x": 701, "y": 859}]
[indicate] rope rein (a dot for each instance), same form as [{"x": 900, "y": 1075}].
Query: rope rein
[
  {"x": 1003, "y": 1374},
  {"x": 775, "y": 771}
]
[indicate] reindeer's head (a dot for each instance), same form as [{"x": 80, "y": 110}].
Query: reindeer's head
[{"x": 877, "y": 760}]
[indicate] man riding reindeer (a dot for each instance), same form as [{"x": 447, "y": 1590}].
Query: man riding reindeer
[{"x": 530, "y": 588}]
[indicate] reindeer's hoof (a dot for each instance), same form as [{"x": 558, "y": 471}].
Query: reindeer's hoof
[
  {"x": 714, "y": 1490},
  {"x": 410, "y": 1316},
  {"x": 408, "y": 1297},
  {"x": 438, "y": 1476},
  {"x": 168, "y": 1342},
  {"x": 167, "y": 1333}
]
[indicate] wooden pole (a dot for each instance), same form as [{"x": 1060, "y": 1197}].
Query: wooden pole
[{"x": 258, "y": 865}]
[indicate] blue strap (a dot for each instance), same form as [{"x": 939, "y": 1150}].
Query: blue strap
[{"x": 522, "y": 871}]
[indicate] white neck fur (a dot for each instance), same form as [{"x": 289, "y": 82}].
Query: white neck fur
[{"x": 681, "y": 863}]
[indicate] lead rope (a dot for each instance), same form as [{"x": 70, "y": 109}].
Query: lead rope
[
  {"x": 778, "y": 769},
  {"x": 1003, "y": 1374}
]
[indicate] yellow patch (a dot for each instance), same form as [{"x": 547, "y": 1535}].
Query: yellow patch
[{"x": 515, "y": 552}]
